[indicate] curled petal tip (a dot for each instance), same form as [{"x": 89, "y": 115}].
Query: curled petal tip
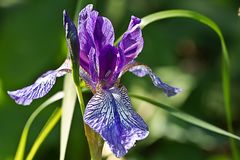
[
  {"x": 142, "y": 70},
  {"x": 178, "y": 90},
  {"x": 64, "y": 12},
  {"x": 65, "y": 17},
  {"x": 135, "y": 20},
  {"x": 17, "y": 98},
  {"x": 172, "y": 91}
]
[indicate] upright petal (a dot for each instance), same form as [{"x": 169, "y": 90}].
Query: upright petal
[
  {"x": 86, "y": 24},
  {"x": 93, "y": 64},
  {"x": 107, "y": 64},
  {"x": 142, "y": 70},
  {"x": 72, "y": 40},
  {"x": 40, "y": 87},
  {"x": 132, "y": 41},
  {"x": 110, "y": 113},
  {"x": 104, "y": 32},
  {"x": 94, "y": 32}
]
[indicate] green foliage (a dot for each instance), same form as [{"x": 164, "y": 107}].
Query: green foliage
[
  {"x": 68, "y": 106},
  {"x": 26, "y": 41},
  {"x": 225, "y": 58},
  {"x": 22, "y": 143},
  {"x": 186, "y": 117}
]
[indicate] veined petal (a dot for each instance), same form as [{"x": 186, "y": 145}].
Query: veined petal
[
  {"x": 40, "y": 87},
  {"x": 93, "y": 64},
  {"x": 94, "y": 32},
  {"x": 107, "y": 64},
  {"x": 142, "y": 70},
  {"x": 87, "y": 78},
  {"x": 86, "y": 24},
  {"x": 132, "y": 42},
  {"x": 104, "y": 32},
  {"x": 110, "y": 113}
]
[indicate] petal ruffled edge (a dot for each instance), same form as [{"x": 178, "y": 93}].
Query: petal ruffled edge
[
  {"x": 110, "y": 113},
  {"x": 142, "y": 70},
  {"x": 40, "y": 87}
]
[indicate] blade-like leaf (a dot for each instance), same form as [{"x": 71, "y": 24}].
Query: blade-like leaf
[
  {"x": 21, "y": 146},
  {"x": 225, "y": 58},
  {"x": 52, "y": 121},
  {"x": 187, "y": 14},
  {"x": 186, "y": 117},
  {"x": 68, "y": 107}
]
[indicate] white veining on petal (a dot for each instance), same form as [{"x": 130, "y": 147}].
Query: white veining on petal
[
  {"x": 40, "y": 87},
  {"x": 110, "y": 113}
]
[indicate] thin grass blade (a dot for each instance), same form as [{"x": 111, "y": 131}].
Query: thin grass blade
[
  {"x": 51, "y": 123},
  {"x": 186, "y": 117},
  {"x": 225, "y": 58},
  {"x": 22, "y": 143}
]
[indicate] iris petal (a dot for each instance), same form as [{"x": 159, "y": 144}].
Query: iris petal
[
  {"x": 107, "y": 64},
  {"x": 94, "y": 32},
  {"x": 110, "y": 113},
  {"x": 72, "y": 39},
  {"x": 41, "y": 86},
  {"x": 131, "y": 43},
  {"x": 86, "y": 24},
  {"x": 142, "y": 70},
  {"x": 104, "y": 32},
  {"x": 87, "y": 78}
]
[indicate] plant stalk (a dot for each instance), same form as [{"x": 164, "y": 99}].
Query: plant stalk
[{"x": 95, "y": 142}]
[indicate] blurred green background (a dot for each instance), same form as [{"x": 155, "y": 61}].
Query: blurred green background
[{"x": 182, "y": 52}]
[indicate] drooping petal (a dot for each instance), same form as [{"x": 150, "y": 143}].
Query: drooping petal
[
  {"x": 110, "y": 113},
  {"x": 132, "y": 41},
  {"x": 142, "y": 70},
  {"x": 41, "y": 86}
]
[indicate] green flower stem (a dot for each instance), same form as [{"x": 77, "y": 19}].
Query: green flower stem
[
  {"x": 95, "y": 142},
  {"x": 80, "y": 97}
]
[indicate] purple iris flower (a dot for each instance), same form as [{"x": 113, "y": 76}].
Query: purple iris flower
[{"x": 109, "y": 112}]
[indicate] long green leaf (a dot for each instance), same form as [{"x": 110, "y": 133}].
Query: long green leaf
[
  {"x": 225, "y": 58},
  {"x": 187, "y": 14},
  {"x": 52, "y": 121},
  {"x": 68, "y": 107},
  {"x": 186, "y": 117},
  {"x": 22, "y": 143},
  {"x": 66, "y": 111}
]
